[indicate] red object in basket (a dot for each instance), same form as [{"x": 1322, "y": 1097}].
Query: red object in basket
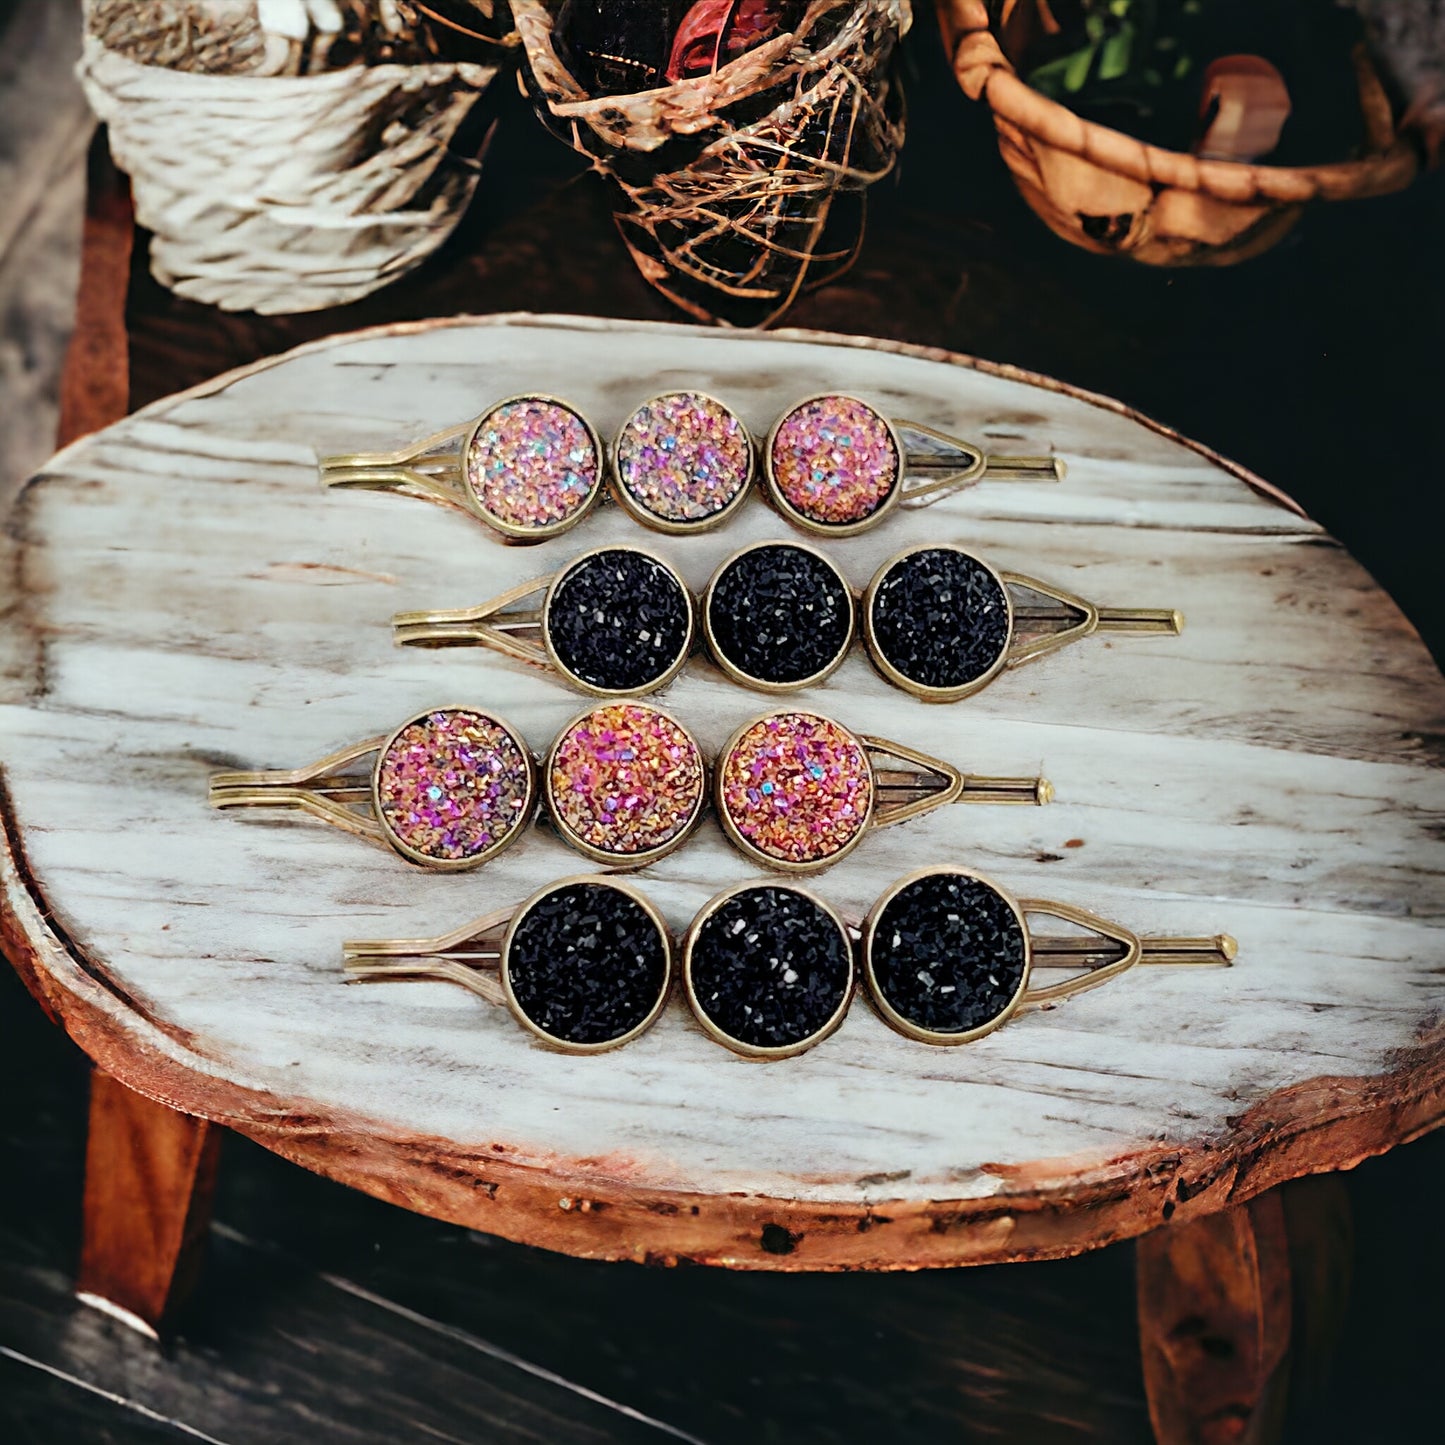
[{"x": 716, "y": 31}]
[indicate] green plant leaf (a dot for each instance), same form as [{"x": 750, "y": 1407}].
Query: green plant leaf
[
  {"x": 1077, "y": 70},
  {"x": 1117, "y": 54}
]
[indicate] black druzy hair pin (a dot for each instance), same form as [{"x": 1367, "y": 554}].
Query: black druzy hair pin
[
  {"x": 614, "y": 621},
  {"x": 779, "y": 616},
  {"x": 948, "y": 954},
  {"x": 584, "y": 964},
  {"x": 941, "y": 624},
  {"x": 769, "y": 969}
]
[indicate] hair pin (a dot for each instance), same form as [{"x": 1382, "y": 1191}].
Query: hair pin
[
  {"x": 532, "y": 466},
  {"x": 585, "y": 963},
  {"x": 779, "y": 616},
  {"x": 625, "y": 783},
  {"x": 769, "y": 969},
  {"x": 614, "y": 621}
]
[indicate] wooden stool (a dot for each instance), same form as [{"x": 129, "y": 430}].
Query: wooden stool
[{"x": 189, "y": 600}]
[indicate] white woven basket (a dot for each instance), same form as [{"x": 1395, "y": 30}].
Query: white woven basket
[{"x": 281, "y": 193}]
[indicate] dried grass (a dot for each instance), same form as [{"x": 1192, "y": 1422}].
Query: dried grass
[{"x": 739, "y": 189}]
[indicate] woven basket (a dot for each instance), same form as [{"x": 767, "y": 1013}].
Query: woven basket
[
  {"x": 277, "y": 193},
  {"x": 1110, "y": 193},
  {"x": 738, "y": 189}
]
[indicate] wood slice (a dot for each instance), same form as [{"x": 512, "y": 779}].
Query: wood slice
[{"x": 186, "y": 599}]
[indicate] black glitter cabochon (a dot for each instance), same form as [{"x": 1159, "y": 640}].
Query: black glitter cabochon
[
  {"x": 771, "y": 969},
  {"x": 587, "y": 964},
  {"x": 619, "y": 619},
  {"x": 939, "y": 617},
  {"x": 947, "y": 953},
  {"x": 780, "y": 614}
]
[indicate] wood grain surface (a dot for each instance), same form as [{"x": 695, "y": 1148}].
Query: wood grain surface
[{"x": 190, "y": 600}]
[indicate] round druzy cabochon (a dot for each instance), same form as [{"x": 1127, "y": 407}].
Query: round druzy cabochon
[
  {"x": 939, "y": 618},
  {"x": 780, "y": 614},
  {"x": 625, "y": 781},
  {"x": 834, "y": 461},
  {"x": 453, "y": 787},
  {"x": 683, "y": 458},
  {"x": 619, "y": 620},
  {"x": 587, "y": 964},
  {"x": 533, "y": 465},
  {"x": 947, "y": 953},
  {"x": 796, "y": 788},
  {"x": 770, "y": 968}
]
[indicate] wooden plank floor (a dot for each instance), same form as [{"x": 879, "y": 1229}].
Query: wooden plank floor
[{"x": 324, "y": 1316}]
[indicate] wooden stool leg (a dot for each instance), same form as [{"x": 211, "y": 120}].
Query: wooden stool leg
[
  {"x": 1321, "y": 1262},
  {"x": 1214, "y": 1325},
  {"x": 150, "y": 1175}
]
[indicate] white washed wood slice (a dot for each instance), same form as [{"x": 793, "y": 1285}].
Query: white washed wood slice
[{"x": 185, "y": 598}]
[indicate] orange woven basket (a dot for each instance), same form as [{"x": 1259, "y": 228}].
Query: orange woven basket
[{"x": 1110, "y": 193}]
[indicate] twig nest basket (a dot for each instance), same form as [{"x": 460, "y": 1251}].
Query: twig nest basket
[
  {"x": 276, "y": 192},
  {"x": 739, "y": 188},
  {"x": 1110, "y": 193}
]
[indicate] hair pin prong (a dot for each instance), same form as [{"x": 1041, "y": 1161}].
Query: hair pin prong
[
  {"x": 470, "y": 956},
  {"x": 498, "y": 624},
  {"x": 323, "y": 790},
  {"x": 950, "y": 463}
]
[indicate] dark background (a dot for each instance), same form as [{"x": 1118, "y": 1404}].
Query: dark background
[{"x": 327, "y": 1316}]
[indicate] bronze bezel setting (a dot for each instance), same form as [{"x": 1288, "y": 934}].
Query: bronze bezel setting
[
  {"x": 735, "y": 673},
  {"x": 715, "y": 1031},
  {"x": 511, "y": 530},
  {"x": 901, "y": 1022},
  {"x": 885, "y": 666},
  {"x": 600, "y": 855},
  {"x": 570, "y": 570},
  {"x": 518, "y": 917},
  {"x": 730, "y": 825},
  {"x": 799, "y": 518},
  {"x": 525, "y": 816},
  {"x": 640, "y": 512}
]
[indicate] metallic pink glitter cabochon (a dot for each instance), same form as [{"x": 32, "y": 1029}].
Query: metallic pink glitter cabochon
[
  {"x": 797, "y": 788},
  {"x": 683, "y": 458},
  {"x": 534, "y": 466},
  {"x": 625, "y": 781},
  {"x": 834, "y": 461},
  {"x": 453, "y": 786}
]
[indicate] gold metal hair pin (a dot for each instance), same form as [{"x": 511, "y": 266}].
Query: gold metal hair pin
[
  {"x": 836, "y": 465},
  {"x": 769, "y": 969},
  {"x": 532, "y": 466},
  {"x": 614, "y": 621},
  {"x": 779, "y": 616},
  {"x": 584, "y": 964},
  {"x": 624, "y": 783}
]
